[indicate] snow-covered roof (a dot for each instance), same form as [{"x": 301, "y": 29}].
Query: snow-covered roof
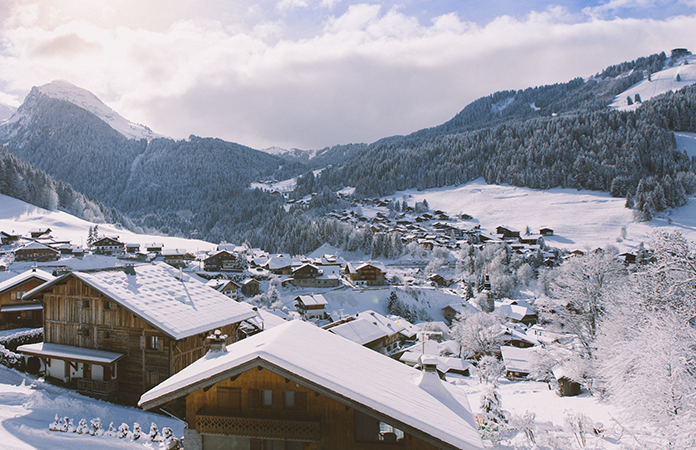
[
  {"x": 179, "y": 306},
  {"x": 312, "y": 300},
  {"x": 25, "y": 306},
  {"x": 516, "y": 311},
  {"x": 36, "y": 246},
  {"x": 464, "y": 308},
  {"x": 517, "y": 359},
  {"x": 326, "y": 363},
  {"x": 266, "y": 319},
  {"x": 279, "y": 262},
  {"x": 365, "y": 327},
  {"x": 69, "y": 352},
  {"x": 24, "y": 277}
]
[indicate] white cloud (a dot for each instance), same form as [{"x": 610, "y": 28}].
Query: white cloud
[
  {"x": 291, "y": 4},
  {"x": 367, "y": 73}
]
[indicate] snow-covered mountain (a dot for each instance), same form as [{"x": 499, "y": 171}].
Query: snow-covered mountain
[
  {"x": 6, "y": 111},
  {"x": 679, "y": 73},
  {"x": 63, "y": 90}
]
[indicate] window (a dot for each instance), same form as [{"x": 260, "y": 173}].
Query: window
[
  {"x": 152, "y": 342},
  {"x": 260, "y": 398},
  {"x": 83, "y": 303},
  {"x": 19, "y": 295},
  {"x": 289, "y": 399},
  {"x": 266, "y": 398},
  {"x": 295, "y": 400},
  {"x": 368, "y": 428},
  {"x": 29, "y": 314},
  {"x": 84, "y": 332}
]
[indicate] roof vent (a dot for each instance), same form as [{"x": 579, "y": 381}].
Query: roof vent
[{"x": 129, "y": 269}]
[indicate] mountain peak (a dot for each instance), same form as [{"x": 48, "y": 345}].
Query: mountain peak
[{"x": 66, "y": 91}]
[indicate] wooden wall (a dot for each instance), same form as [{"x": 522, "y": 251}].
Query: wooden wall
[
  {"x": 337, "y": 421},
  {"x": 10, "y": 297},
  {"x": 106, "y": 326}
]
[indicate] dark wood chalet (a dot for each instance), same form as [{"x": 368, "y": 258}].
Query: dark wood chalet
[
  {"x": 9, "y": 238},
  {"x": 16, "y": 312},
  {"x": 119, "y": 332},
  {"x": 311, "y": 306},
  {"x": 39, "y": 232},
  {"x": 297, "y": 386},
  {"x": 36, "y": 252},
  {"x": 366, "y": 274},
  {"x": 108, "y": 246},
  {"x": 250, "y": 287},
  {"x": 220, "y": 261}
]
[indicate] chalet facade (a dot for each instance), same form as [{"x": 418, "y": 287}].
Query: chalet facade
[
  {"x": 366, "y": 274},
  {"x": 9, "y": 238},
  {"x": 311, "y": 306},
  {"x": 310, "y": 275},
  {"x": 16, "y": 312},
  {"x": 39, "y": 233},
  {"x": 108, "y": 246},
  {"x": 279, "y": 265},
  {"x": 226, "y": 287},
  {"x": 36, "y": 252},
  {"x": 220, "y": 261},
  {"x": 507, "y": 232},
  {"x": 297, "y": 386},
  {"x": 119, "y": 332},
  {"x": 250, "y": 287}
]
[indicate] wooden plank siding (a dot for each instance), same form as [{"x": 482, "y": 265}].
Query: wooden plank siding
[
  {"x": 79, "y": 316},
  {"x": 337, "y": 422}
]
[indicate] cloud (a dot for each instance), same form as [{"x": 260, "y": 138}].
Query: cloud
[{"x": 364, "y": 73}]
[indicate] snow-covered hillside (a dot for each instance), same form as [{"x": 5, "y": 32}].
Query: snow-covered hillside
[
  {"x": 64, "y": 90},
  {"x": 6, "y": 111},
  {"x": 19, "y": 217},
  {"x": 580, "y": 219},
  {"x": 681, "y": 73}
]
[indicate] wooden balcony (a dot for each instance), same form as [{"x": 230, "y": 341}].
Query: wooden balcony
[
  {"x": 293, "y": 430},
  {"x": 96, "y": 387}
]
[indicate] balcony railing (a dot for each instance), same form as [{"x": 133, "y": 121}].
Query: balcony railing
[
  {"x": 295, "y": 430},
  {"x": 96, "y": 387}
]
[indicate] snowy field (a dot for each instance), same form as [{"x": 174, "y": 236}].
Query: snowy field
[
  {"x": 28, "y": 406},
  {"x": 580, "y": 219},
  {"x": 18, "y": 217}
]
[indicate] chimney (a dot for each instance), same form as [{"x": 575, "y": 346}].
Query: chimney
[
  {"x": 429, "y": 380},
  {"x": 129, "y": 269},
  {"x": 217, "y": 342}
]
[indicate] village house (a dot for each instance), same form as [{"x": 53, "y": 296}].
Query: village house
[
  {"x": 9, "y": 238},
  {"x": 226, "y": 287},
  {"x": 366, "y": 274},
  {"x": 516, "y": 311},
  {"x": 34, "y": 251},
  {"x": 108, "y": 246},
  {"x": 310, "y": 275},
  {"x": 37, "y": 233},
  {"x": 516, "y": 361},
  {"x": 177, "y": 257},
  {"x": 567, "y": 387},
  {"x": 155, "y": 248},
  {"x": 132, "y": 248},
  {"x": 453, "y": 310},
  {"x": 119, "y": 332},
  {"x": 507, "y": 232},
  {"x": 369, "y": 329},
  {"x": 279, "y": 265},
  {"x": 220, "y": 261},
  {"x": 16, "y": 312},
  {"x": 297, "y": 386},
  {"x": 250, "y": 287},
  {"x": 311, "y": 306}
]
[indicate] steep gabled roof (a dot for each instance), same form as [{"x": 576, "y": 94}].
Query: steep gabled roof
[
  {"x": 349, "y": 373},
  {"x": 24, "y": 277},
  {"x": 178, "y": 305}
]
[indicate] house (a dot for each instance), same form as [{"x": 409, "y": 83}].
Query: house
[
  {"x": 13, "y": 309},
  {"x": 279, "y": 265},
  {"x": 155, "y": 248},
  {"x": 250, "y": 287},
  {"x": 39, "y": 232},
  {"x": 369, "y": 329},
  {"x": 516, "y": 361},
  {"x": 507, "y": 232},
  {"x": 34, "y": 251},
  {"x": 310, "y": 275},
  {"x": 132, "y": 248},
  {"x": 177, "y": 257},
  {"x": 311, "y": 306},
  {"x": 118, "y": 332},
  {"x": 298, "y": 386},
  {"x": 222, "y": 260},
  {"x": 265, "y": 319},
  {"x": 546, "y": 231},
  {"x": 226, "y": 287},
  {"x": 108, "y": 246},
  {"x": 8, "y": 238},
  {"x": 516, "y": 311},
  {"x": 455, "y": 309},
  {"x": 514, "y": 336},
  {"x": 366, "y": 274},
  {"x": 567, "y": 387}
]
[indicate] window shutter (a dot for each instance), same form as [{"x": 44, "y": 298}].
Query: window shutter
[
  {"x": 301, "y": 401},
  {"x": 160, "y": 344},
  {"x": 142, "y": 342},
  {"x": 254, "y": 395}
]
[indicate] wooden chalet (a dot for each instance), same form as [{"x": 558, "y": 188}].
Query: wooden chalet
[
  {"x": 8, "y": 238},
  {"x": 39, "y": 232},
  {"x": 220, "y": 261},
  {"x": 310, "y": 275},
  {"x": 297, "y": 386},
  {"x": 369, "y": 329},
  {"x": 516, "y": 361},
  {"x": 132, "y": 248},
  {"x": 567, "y": 387},
  {"x": 108, "y": 246},
  {"x": 453, "y": 310},
  {"x": 226, "y": 287},
  {"x": 546, "y": 231},
  {"x": 507, "y": 232},
  {"x": 16, "y": 312},
  {"x": 119, "y": 332},
  {"x": 155, "y": 248},
  {"x": 366, "y": 274},
  {"x": 311, "y": 306},
  {"x": 34, "y": 251},
  {"x": 250, "y": 287},
  {"x": 177, "y": 257},
  {"x": 279, "y": 265}
]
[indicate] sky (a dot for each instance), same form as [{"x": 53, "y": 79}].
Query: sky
[{"x": 314, "y": 73}]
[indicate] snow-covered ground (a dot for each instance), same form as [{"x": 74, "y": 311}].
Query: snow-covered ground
[
  {"x": 28, "y": 406},
  {"x": 19, "y": 217},
  {"x": 580, "y": 219},
  {"x": 660, "y": 82}
]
